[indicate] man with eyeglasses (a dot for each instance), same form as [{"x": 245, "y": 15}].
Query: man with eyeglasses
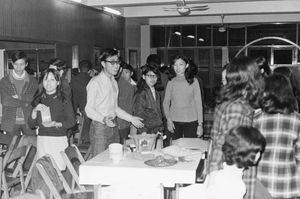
[{"x": 102, "y": 104}]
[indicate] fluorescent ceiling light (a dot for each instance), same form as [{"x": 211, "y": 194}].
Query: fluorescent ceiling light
[
  {"x": 201, "y": 39},
  {"x": 177, "y": 33},
  {"x": 191, "y": 36},
  {"x": 113, "y": 11},
  {"x": 77, "y": 1}
]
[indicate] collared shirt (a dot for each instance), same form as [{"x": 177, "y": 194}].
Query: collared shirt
[
  {"x": 102, "y": 92},
  {"x": 102, "y": 99},
  {"x": 279, "y": 167},
  {"x": 228, "y": 115}
]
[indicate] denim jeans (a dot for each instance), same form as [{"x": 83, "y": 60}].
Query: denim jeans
[{"x": 101, "y": 136}]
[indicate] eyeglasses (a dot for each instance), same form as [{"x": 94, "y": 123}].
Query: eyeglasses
[
  {"x": 114, "y": 62},
  {"x": 152, "y": 76}
]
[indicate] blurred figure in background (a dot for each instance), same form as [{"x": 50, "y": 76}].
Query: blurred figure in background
[
  {"x": 127, "y": 89},
  {"x": 286, "y": 71},
  {"x": 264, "y": 67},
  {"x": 61, "y": 66},
  {"x": 78, "y": 86}
]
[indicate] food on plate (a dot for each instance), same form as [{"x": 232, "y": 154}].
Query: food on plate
[
  {"x": 176, "y": 151},
  {"x": 161, "y": 161}
]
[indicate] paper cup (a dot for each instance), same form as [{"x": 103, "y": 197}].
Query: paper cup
[{"x": 115, "y": 152}]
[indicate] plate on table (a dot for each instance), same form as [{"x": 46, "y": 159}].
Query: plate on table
[{"x": 161, "y": 161}]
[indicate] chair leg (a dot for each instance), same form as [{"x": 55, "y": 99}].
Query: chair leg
[
  {"x": 29, "y": 174},
  {"x": 5, "y": 188}
]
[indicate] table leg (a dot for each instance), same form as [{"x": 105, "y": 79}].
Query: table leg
[{"x": 97, "y": 191}]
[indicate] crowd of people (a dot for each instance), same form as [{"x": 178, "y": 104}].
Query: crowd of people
[{"x": 255, "y": 133}]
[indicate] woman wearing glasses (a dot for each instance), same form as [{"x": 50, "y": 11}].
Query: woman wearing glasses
[
  {"x": 147, "y": 101},
  {"x": 182, "y": 103}
]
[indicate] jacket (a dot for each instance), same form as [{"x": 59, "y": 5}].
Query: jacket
[{"x": 10, "y": 104}]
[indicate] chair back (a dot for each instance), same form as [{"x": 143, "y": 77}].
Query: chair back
[
  {"x": 73, "y": 158},
  {"x": 37, "y": 195},
  {"x": 48, "y": 178},
  {"x": 16, "y": 154}
]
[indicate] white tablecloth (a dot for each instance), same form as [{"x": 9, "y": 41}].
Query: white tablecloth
[{"x": 133, "y": 170}]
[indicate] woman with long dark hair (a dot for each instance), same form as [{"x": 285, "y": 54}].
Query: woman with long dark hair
[
  {"x": 182, "y": 103},
  {"x": 52, "y": 114},
  {"x": 279, "y": 122},
  {"x": 235, "y": 107}
]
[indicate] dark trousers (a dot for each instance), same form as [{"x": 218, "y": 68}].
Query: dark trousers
[
  {"x": 185, "y": 129},
  {"x": 124, "y": 134},
  {"x": 85, "y": 128},
  {"x": 101, "y": 136}
]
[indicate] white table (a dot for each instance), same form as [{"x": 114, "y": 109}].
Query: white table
[{"x": 132, "y": 170}]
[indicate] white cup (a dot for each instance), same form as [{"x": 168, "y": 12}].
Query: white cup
[{"x": 115, "y": 152}]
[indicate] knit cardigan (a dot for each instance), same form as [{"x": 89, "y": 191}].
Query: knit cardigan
[{"x": 10, "y": 104}]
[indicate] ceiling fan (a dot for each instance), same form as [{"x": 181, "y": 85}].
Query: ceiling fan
[
  {"x": 184, "y": 10},
  {"x": 224, "y": 27}
]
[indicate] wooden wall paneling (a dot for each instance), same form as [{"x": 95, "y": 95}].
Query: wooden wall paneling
[{"x": 59, "y": 21}]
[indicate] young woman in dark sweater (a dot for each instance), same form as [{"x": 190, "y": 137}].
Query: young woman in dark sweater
[{"x": 52, "y": 114}]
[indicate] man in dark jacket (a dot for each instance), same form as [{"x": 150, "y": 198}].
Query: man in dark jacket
[
  {"x": 17, "y": 89},
  {"x": 78, "y": 86}
]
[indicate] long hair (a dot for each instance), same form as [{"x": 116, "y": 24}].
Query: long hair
[
  {"x": 278, "y": 96},
  {"x": 241, "y": 146},
  {"x": 41, "y": 90},
  {"x": 145, "y": 69},
  {"x": 243, "y": 81},
  {"x": 190, "y": 71}
]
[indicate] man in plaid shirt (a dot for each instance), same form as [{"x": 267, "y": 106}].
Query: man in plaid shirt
[{"x": 234, "y": 109}]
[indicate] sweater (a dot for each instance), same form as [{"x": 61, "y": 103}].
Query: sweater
[
  {"x": 182, "y": 102},
  {"x": 10, "y": 104},
  {"x": 60, "y": 112}
]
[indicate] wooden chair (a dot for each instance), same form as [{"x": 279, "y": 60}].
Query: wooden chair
[
  {"x": 56, "y": 193},
  {"x": 12, "y": 176}
]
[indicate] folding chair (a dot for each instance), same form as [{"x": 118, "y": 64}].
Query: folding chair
[
  {"x": 13, "y": 176},
  {"x": 73, "y": 158},
  {"x": 56, "y": 191}
]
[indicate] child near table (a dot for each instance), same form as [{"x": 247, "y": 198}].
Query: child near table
[
  {"x": 242, "y": 149},
  {"x": 52, "y": 114},
  {"x": 147, "y": 104}
]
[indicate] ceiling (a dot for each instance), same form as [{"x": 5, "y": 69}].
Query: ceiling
[{"x": 154, "y": 8}]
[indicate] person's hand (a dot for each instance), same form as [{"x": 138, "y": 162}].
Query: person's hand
[
  {"x": 108, "y": 121},
  {"x": 40, "y": 107},
  {"x": 170, "y": 126},
  {"x": 49, "y": 124},
  {"x": 199, "y": 131},
  {"x": 137, "y": 122}
]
